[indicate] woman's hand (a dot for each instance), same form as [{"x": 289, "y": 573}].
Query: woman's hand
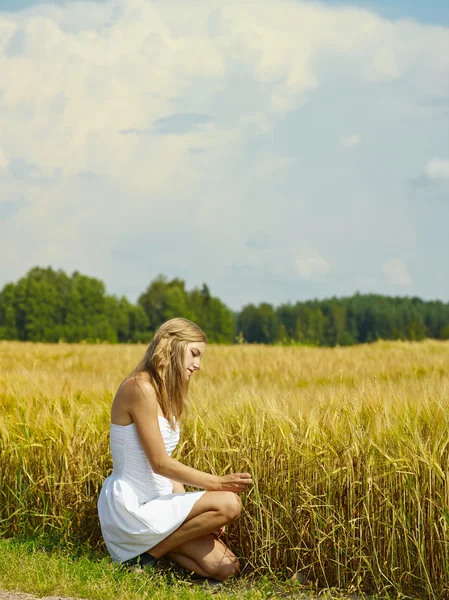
[{"x": 235, "y": 482}]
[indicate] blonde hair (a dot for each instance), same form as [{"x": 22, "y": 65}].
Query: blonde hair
[{"x": 163, "y": 364}]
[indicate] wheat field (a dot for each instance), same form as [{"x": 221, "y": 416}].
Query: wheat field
[{"x": 348, "y": 447}]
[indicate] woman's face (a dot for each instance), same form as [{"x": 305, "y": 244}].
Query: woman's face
[{"x": 194, "y": 354}]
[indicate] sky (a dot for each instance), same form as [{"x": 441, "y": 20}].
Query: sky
[{"x": 278, "y": 151}]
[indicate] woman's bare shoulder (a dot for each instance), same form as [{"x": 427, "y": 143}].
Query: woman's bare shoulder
[
  {"x": 135, "y": 393},
  {"x": 135, "y": 382},
  {"x": 136, "y": 386}
]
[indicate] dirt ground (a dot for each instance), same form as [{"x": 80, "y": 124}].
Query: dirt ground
[{"x": 22, "y": 596}]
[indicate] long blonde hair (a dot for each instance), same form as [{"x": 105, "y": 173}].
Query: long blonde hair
[{"x": 163, "y": 364}]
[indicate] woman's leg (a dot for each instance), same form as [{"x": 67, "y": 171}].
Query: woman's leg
[
  {"x": 209, "y": 513},
  {"x": 207, "y": 557}
]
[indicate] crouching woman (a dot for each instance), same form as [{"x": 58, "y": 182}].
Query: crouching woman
[{"x": 144, "y": 511}]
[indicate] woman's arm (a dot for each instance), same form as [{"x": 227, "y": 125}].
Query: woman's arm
[
  {"x": 142, "y": 405},
  {"x": 143, "y": 408}
]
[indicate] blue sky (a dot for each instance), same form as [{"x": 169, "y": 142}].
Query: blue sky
[
  {"x": 425, "y": 11},
  {"x": 297, "y": 151}
]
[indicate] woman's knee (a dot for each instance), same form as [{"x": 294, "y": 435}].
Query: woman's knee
[
  {"x": 230, "y": 506},
  {"x": 229, "y": 566}
]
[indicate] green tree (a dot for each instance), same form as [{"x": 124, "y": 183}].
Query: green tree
[
  {"x": 310, "y": 325},
  {"x": 259, "y": 325},
  {"x": 48, "y": 305},
  {"x": 444, "y": 333},
  {"x": 163, "y": 299},
  {"x": 38, "y": 307},
  {"x": 8, "y": 325},
  {"x": 212, "y": 315}
]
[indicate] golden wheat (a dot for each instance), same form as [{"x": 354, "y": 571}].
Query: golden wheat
[{"x": 349, "y": 449}]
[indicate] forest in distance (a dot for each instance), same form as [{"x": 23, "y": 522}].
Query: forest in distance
[{"x": 47, "y": 305}]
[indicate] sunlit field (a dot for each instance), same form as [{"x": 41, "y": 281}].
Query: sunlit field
[{"x": 348, "y": 447}]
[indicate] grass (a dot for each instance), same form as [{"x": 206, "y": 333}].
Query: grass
[
  {"x": 34, "y": 568},
  {"x": 348, "y": 447}
]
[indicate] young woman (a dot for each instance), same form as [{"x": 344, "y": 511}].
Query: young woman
[{"x": 143, "y": 509}]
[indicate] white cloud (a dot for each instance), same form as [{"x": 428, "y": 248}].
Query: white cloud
[
  {"x": 311, "y": 265},
  {"x": 3, "y": 159},
  {"x": 229, "y": 129},
  {"x": 349, "y": 141},
  {"x": 396, "y": 272},
  {"x": 437, "y": 170}
]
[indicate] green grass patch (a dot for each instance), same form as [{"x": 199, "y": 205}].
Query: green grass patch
[{"x": 37, "y": 567}]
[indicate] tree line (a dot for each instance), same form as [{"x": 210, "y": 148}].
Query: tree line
[{"x": 50, "y": 306}]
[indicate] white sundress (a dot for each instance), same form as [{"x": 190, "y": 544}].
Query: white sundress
[{"x": 136, "y": 507}]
